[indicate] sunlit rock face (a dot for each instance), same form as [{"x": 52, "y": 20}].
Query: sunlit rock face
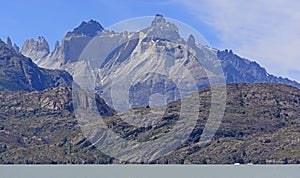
[{"x": 154, "y": 61}]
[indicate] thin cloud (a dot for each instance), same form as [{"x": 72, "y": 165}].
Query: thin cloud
[{"x": 265, "y": 31}]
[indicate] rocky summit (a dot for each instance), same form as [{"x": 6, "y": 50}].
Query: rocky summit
[
  {"x": 36, "y": 49},
  {"x": 90, "y": 28},
  {"x": 119, "y": 54}
]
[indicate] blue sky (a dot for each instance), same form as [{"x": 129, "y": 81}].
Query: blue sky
[
  {"x": 267, "y": 31},
  {"x": 53, "y": 19}
]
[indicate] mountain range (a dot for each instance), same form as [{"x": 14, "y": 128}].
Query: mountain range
[
  {"x": 149, "y": 73},
  {"x": 118, "y": 54}
]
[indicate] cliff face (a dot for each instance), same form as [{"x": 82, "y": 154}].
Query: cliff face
[
  {"x": 261, "y": 125},
  {"x": 67, "y": 52},
  {"x": 36, "y": 49},
  {"x": 153, "y": 60}
]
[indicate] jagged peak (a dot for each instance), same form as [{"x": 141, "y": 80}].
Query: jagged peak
[
  {"x": 160, "y": 23},
  {"x": 191, "y": 40},
  {"x": 8, "y": 41},
  {"x": 36, "y": 49},
  {"x": 16, "y": 47},
  {"x": 158, "y": 19},
  {"x": 56, "y": 45},
  {"x": 90, "y": 22},
  {"x": 7, "y": 50},
  {"x": 41, "y": 38},
  {"x": 38, "y": 44},
  {"x": 1, "y": 42},
  {"x": 161, "y": 28},
  {"x": 90, "y": 28}
]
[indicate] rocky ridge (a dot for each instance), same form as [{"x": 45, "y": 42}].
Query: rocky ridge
[
  {"x": 19, "y": 73},
  {"x": 126, "y": 50},
  {"x": 260, "y": 126}
]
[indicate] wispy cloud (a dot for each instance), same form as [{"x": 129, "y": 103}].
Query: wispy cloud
[{"x": 267, "y": 31}]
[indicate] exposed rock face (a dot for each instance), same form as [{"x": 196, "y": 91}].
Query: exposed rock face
[
  {"x": 162, "y": 29},
  {"x": 90, "y": 28},
  {"x": 144, "y": 52},
  {"x": 261, "y": 125},
  {"x": 258, "y": 118},
  {"x": 238, "y": 70},
  {"x": 127, "y": 50},
  {"x": 74, "y": 42},
  {"x": 40, "y": 126},
  {"x": 72, "y": 45},
  {"x": 9, "y": 43},
  {"x": 36, "y": 49},
  {"x": 155, "y": 66},
  {"x": 20, "y": 73},
  {"x": 55, "y": 99},
  {"x": 16, "y": 48},
  {"x": 46, "y": 130}
]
